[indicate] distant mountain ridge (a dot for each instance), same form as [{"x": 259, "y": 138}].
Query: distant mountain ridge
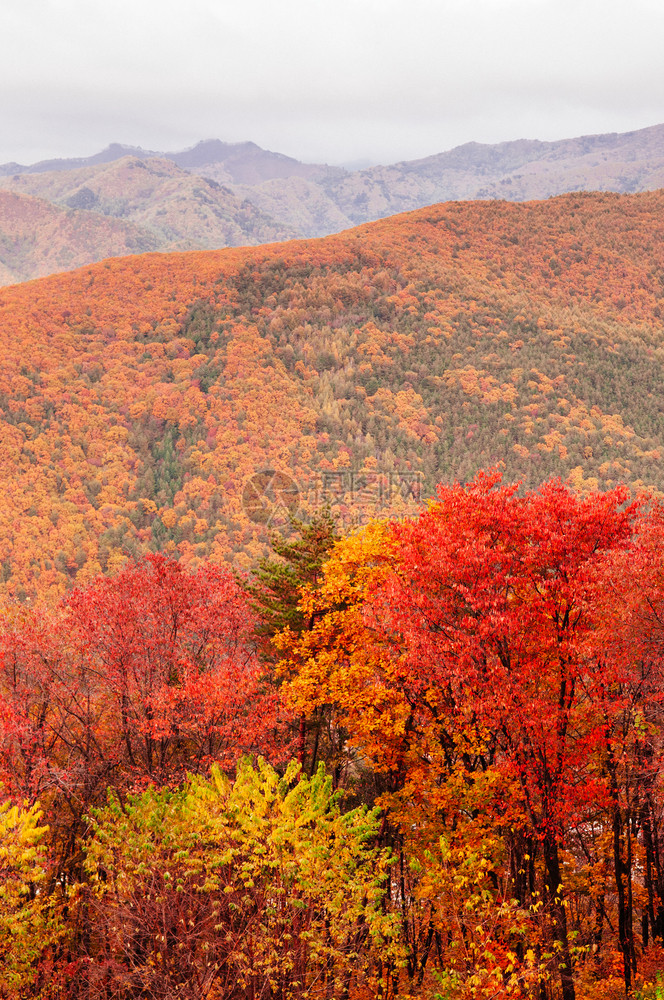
[
  {"x": 246, "y": 162},
  {"x": 115, "y": 151},
  {"x": 522, "y": 170},
  {"x": 218, "y": 194}
]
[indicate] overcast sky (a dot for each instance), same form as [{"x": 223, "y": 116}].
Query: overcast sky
[{"x": 323, "y": 80}]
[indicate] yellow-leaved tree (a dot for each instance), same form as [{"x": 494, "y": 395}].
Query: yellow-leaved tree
[
  {"x": 244, "y": 890},
  {"x": 28, "y": 924}
]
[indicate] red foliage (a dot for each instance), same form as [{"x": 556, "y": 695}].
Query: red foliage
[
  {"x": 173, "y": 651},
  {"x": 495, "y": 603},
  {"x": 138, "y": 677}
]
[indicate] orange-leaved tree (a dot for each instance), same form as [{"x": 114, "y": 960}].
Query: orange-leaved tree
[{"x": 470, "y": 669}]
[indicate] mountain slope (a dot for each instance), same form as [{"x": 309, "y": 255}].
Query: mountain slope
[
  {"x": 38, "y": 238},
  {"x": 164, "y": 208},
  {"x": 139, "y": 396}
]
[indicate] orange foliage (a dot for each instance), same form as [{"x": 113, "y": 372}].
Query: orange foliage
[{"x": 138, "y": 395}]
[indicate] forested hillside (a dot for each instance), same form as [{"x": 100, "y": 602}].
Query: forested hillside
[{"x": 140, "y": 395}]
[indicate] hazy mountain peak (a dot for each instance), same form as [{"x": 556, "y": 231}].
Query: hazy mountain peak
[{"x": 247, "y": 162}]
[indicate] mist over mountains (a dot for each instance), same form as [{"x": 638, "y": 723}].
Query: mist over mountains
[{"x": 67, "y": 212}]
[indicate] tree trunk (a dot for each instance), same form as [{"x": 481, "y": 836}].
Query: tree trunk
[
  {"x": 554, "y": 886},
  {"x": 624, "y": 917},
  {"x": 622, "y": 872},
  {"x": 301, "y": 749},
  {"x": 649, "y": 916}
]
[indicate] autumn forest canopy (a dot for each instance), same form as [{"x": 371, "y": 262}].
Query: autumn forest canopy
[
  {"x": 386, "y": 748},
  {"x": 138, "y": 395}
]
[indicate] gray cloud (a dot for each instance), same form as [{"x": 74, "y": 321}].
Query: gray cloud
[{"x": 385, "y": 79}]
